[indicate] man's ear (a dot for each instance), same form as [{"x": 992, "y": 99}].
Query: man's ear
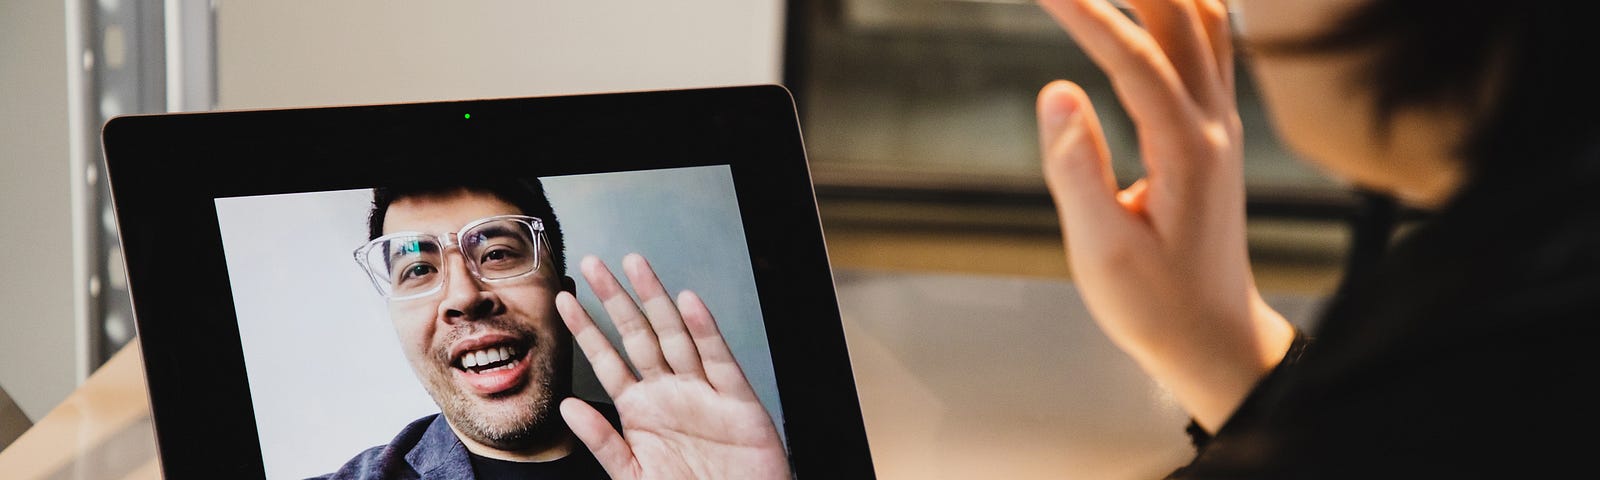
[{"x": 569, "y": 285}]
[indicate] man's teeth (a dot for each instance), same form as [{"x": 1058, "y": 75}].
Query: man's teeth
[{"x": 486, "y": 356}]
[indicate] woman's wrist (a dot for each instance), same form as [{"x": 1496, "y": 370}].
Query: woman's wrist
[{"x": 1212, "y": 379}]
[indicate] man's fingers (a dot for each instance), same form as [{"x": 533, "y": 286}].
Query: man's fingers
[
  {"x": 638, "y": 338},
  {"x": 609, "y": 368},
  {"x": 722, "y": 370},
  {"x": 1178, "y": 26},
  {"x": 1077, "y": 163},
  {"x": 676, "y": 346},
  {"x": 596, "y": 433}
]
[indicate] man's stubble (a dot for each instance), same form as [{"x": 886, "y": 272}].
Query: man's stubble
[{"x": 529, "y": 418}]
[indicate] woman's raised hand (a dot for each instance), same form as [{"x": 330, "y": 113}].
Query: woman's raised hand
[{"x": 1163, "y": 264}]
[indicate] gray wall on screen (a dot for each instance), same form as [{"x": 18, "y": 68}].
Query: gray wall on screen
[{"x": 326, "y": 375}]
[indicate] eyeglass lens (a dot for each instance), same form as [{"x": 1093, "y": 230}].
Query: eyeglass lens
[{"x": 494, "y": 250}]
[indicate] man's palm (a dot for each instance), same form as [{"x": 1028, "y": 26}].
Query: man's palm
[{"x": 689, "y": 412}]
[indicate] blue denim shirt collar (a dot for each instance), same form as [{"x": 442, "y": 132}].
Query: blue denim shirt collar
[{"x": 439, "y": 454}]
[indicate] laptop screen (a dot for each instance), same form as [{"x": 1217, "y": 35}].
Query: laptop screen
[{"x": 324, "y": 348}]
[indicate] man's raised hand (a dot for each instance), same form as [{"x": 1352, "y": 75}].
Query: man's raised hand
[{"x": 689, "y": 412}]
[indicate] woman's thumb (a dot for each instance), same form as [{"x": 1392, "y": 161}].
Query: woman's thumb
[{"x": 1076, "y": 162}]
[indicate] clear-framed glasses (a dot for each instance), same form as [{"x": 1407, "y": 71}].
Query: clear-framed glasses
[{"x": 406, "y": 265}]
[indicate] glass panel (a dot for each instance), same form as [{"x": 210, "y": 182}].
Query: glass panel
[{"x": 939, "y": 94}]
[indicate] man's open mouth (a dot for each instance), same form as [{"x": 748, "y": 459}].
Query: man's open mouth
[
  {"x": 492, "y": 365},
  {"x": 490, "y": 359}
]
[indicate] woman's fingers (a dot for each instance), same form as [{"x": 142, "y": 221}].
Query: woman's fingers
[
  {"x": 1133, "y": 197},
  {"x": 1143, "y": 77},
  {"x": 609, "y": 368},
  {"x": 676, "y": 346},
  {"x": 638, "y": 337},
  {"x": 1214, "y": 15},
  {"x": 1179, "y": 28}
]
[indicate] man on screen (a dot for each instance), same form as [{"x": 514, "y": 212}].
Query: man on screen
[{"x": 473, "y": 274}]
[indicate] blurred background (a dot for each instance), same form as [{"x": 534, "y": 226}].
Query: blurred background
[{"x": 918, "y": 121}]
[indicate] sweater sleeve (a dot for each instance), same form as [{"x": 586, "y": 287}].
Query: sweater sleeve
[{"x": 1199, "y": 437}]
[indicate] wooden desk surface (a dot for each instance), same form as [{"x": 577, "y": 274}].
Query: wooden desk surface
[{"x": 100, "y": 432}]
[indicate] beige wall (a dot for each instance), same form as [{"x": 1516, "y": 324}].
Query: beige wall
[
  {"x": 38, "y": 353},
  {"x": 314, "y": 52}
]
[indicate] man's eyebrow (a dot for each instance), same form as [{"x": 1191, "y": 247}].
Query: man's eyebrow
[{"x": 496, "y": 231}]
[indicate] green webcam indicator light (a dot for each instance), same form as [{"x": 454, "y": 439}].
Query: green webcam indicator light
[{"x": 468, "y": 115}]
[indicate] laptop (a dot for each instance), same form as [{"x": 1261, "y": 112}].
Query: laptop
[{"x": 583, "y": 286}]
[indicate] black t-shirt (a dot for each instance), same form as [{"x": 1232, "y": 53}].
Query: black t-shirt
[{"x": 580, "y": 465}]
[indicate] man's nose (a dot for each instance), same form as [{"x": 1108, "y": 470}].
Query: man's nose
[{"x": 465, "y": 297}]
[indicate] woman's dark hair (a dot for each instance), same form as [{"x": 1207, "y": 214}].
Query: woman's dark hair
[
  {"x": 526, "y": 194},
  {"x": 1519, "y": 67}
]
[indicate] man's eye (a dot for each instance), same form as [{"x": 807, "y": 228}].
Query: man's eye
[
  {"x": 416, "y": 271},
  {"x": 498, "y": 255}
]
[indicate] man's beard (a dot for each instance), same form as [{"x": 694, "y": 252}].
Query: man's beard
[
  {"x": 520, "y": 419},
  {"x": 515, "y": 430}
]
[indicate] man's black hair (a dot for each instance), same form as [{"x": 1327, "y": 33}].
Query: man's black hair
[{"x": 526, "y": 194}]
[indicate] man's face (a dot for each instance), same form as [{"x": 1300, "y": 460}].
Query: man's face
[{"x": 508, "y": 330}]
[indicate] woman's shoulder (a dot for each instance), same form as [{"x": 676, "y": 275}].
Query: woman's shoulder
[{"x": 1524, "y": 251}]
